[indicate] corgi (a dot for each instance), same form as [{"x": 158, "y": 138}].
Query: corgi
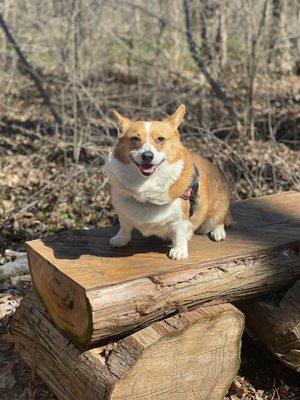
[{"x": 160, "y": 188}]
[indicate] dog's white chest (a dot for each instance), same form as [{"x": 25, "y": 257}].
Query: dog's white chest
[
  {"x": 126, "y": 179},
  {"x": 145, "y": 202},
  {"x": 149, "y": 218},
  {"x": 155, "y": 190}
]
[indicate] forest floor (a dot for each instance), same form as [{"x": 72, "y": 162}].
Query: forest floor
[{"x": 43, "y": 191}]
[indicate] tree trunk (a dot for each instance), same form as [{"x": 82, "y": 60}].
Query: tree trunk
[
  {"x": 221, "y": 42},
  {"x": 277, "y": 324},
  {"x": 195, "y": 354},
  {"x": 93, "y": 291},
  {"x": 200, "y": 61},
  {"x": 279, "y": 44},
  {"x": 205, "y": 22}
]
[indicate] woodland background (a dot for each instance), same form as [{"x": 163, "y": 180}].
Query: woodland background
[{"x": 67, "y": 63}]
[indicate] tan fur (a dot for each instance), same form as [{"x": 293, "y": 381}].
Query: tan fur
[
  {"x": 213, "y": 194},
  {"x": 184, "y": 181},
  {"x": 213, "y": 197}
]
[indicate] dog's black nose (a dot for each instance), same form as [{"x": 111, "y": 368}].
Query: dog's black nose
[{"x": 147, "y": 156}]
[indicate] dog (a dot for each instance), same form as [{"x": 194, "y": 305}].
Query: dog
[{"x": 159, "y": 187}]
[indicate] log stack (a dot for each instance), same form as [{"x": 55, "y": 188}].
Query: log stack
[
  {"x": 132, "y": 324},
  {"x": 195, "y": 354}
]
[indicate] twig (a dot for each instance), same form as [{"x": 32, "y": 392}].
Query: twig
[
  {"x": 30, "y": 71},
  {"x": 12, "y": 253}
]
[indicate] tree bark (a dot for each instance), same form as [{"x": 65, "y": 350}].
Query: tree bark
[
  {"x": 279, "y": 44},
  {"x": 205, "y": 21},
  {"x": 222, "y": 36},
  {"x": 195, "y": 354},
  {"x": 276, "y": 323}
]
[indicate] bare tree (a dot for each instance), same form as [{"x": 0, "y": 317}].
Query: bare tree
[
  {"x": 252, "y": 38},
  {"x": 141, "y": 56},
  {"x": 205, "y": 19},
  {"x": 220, "y": 93},
  {"x": 221, "y": 46},
  {"x": 29, "y": 70},
  {"x": 279, "y": 42}
]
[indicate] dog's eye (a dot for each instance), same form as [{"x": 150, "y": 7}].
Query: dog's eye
[
  {"x": 160, "y": 139},
  {"x": 135, "y": 139}
]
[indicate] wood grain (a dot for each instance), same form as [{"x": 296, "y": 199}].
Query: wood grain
[
  {"x": 275, "y": 321},
  {"x": 168, "y": 360},
  {"x": 112, "y": 291}
]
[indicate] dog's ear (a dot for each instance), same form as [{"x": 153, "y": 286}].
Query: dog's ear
[
  {"x": 123, "y": 122},
  {"x": 177, "y": 117}
]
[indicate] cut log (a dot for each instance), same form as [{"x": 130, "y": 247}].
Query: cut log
[
  {"x": 276, "y": 323},
  {"x": 92, "y": 291},
  {"x": 195, "y": 354}
]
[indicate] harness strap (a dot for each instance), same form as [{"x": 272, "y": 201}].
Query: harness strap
[{"x": 192, "y": 192}]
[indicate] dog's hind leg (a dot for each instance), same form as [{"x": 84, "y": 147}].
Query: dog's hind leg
[
  {"x": 215, "y": 228},
  {"x": 218, "y": 233},
  {"x": 207, "y": 226},
  {"x": 228, "y": 220}
]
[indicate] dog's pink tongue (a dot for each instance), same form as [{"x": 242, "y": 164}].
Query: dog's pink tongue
[{"x": 148, "y": 168}]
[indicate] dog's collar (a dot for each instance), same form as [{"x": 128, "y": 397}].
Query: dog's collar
[{"x": 192, "y": 191}]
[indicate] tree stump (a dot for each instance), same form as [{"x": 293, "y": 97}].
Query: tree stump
[
  {"x": 276, "y": 323},
  {"x": 93, "y": 291},
  {"x": 195, "y": 354}
]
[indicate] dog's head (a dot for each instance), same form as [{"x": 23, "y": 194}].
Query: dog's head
[{"x": 148, "y": 145}]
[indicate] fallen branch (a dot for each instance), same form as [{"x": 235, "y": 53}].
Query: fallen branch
[
  {"x": 14, "y": 268},
  {"x": 16, "y": 280},
  {"x": 28, "y": 69},
  {"x": 12, "y": 253}
]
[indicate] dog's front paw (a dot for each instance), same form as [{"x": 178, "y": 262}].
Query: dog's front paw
[
  {"x": 118, "y": 241},
  {"x": 178, "y": 253},
  {"x": 218, "y": 233}
]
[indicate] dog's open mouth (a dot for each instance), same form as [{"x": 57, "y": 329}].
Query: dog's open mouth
[{"x": 147, "y": 169}]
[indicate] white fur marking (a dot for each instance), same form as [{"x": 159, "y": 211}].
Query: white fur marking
[
  {"x": 218, "y": 233},
  {"x": 148, "y": 129},
  {"x": 124, "y": 234},
  {"x": 178, "y": 253},
  {"x": 120, "y": 239},
  {"x": 181, "y": 233}
]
